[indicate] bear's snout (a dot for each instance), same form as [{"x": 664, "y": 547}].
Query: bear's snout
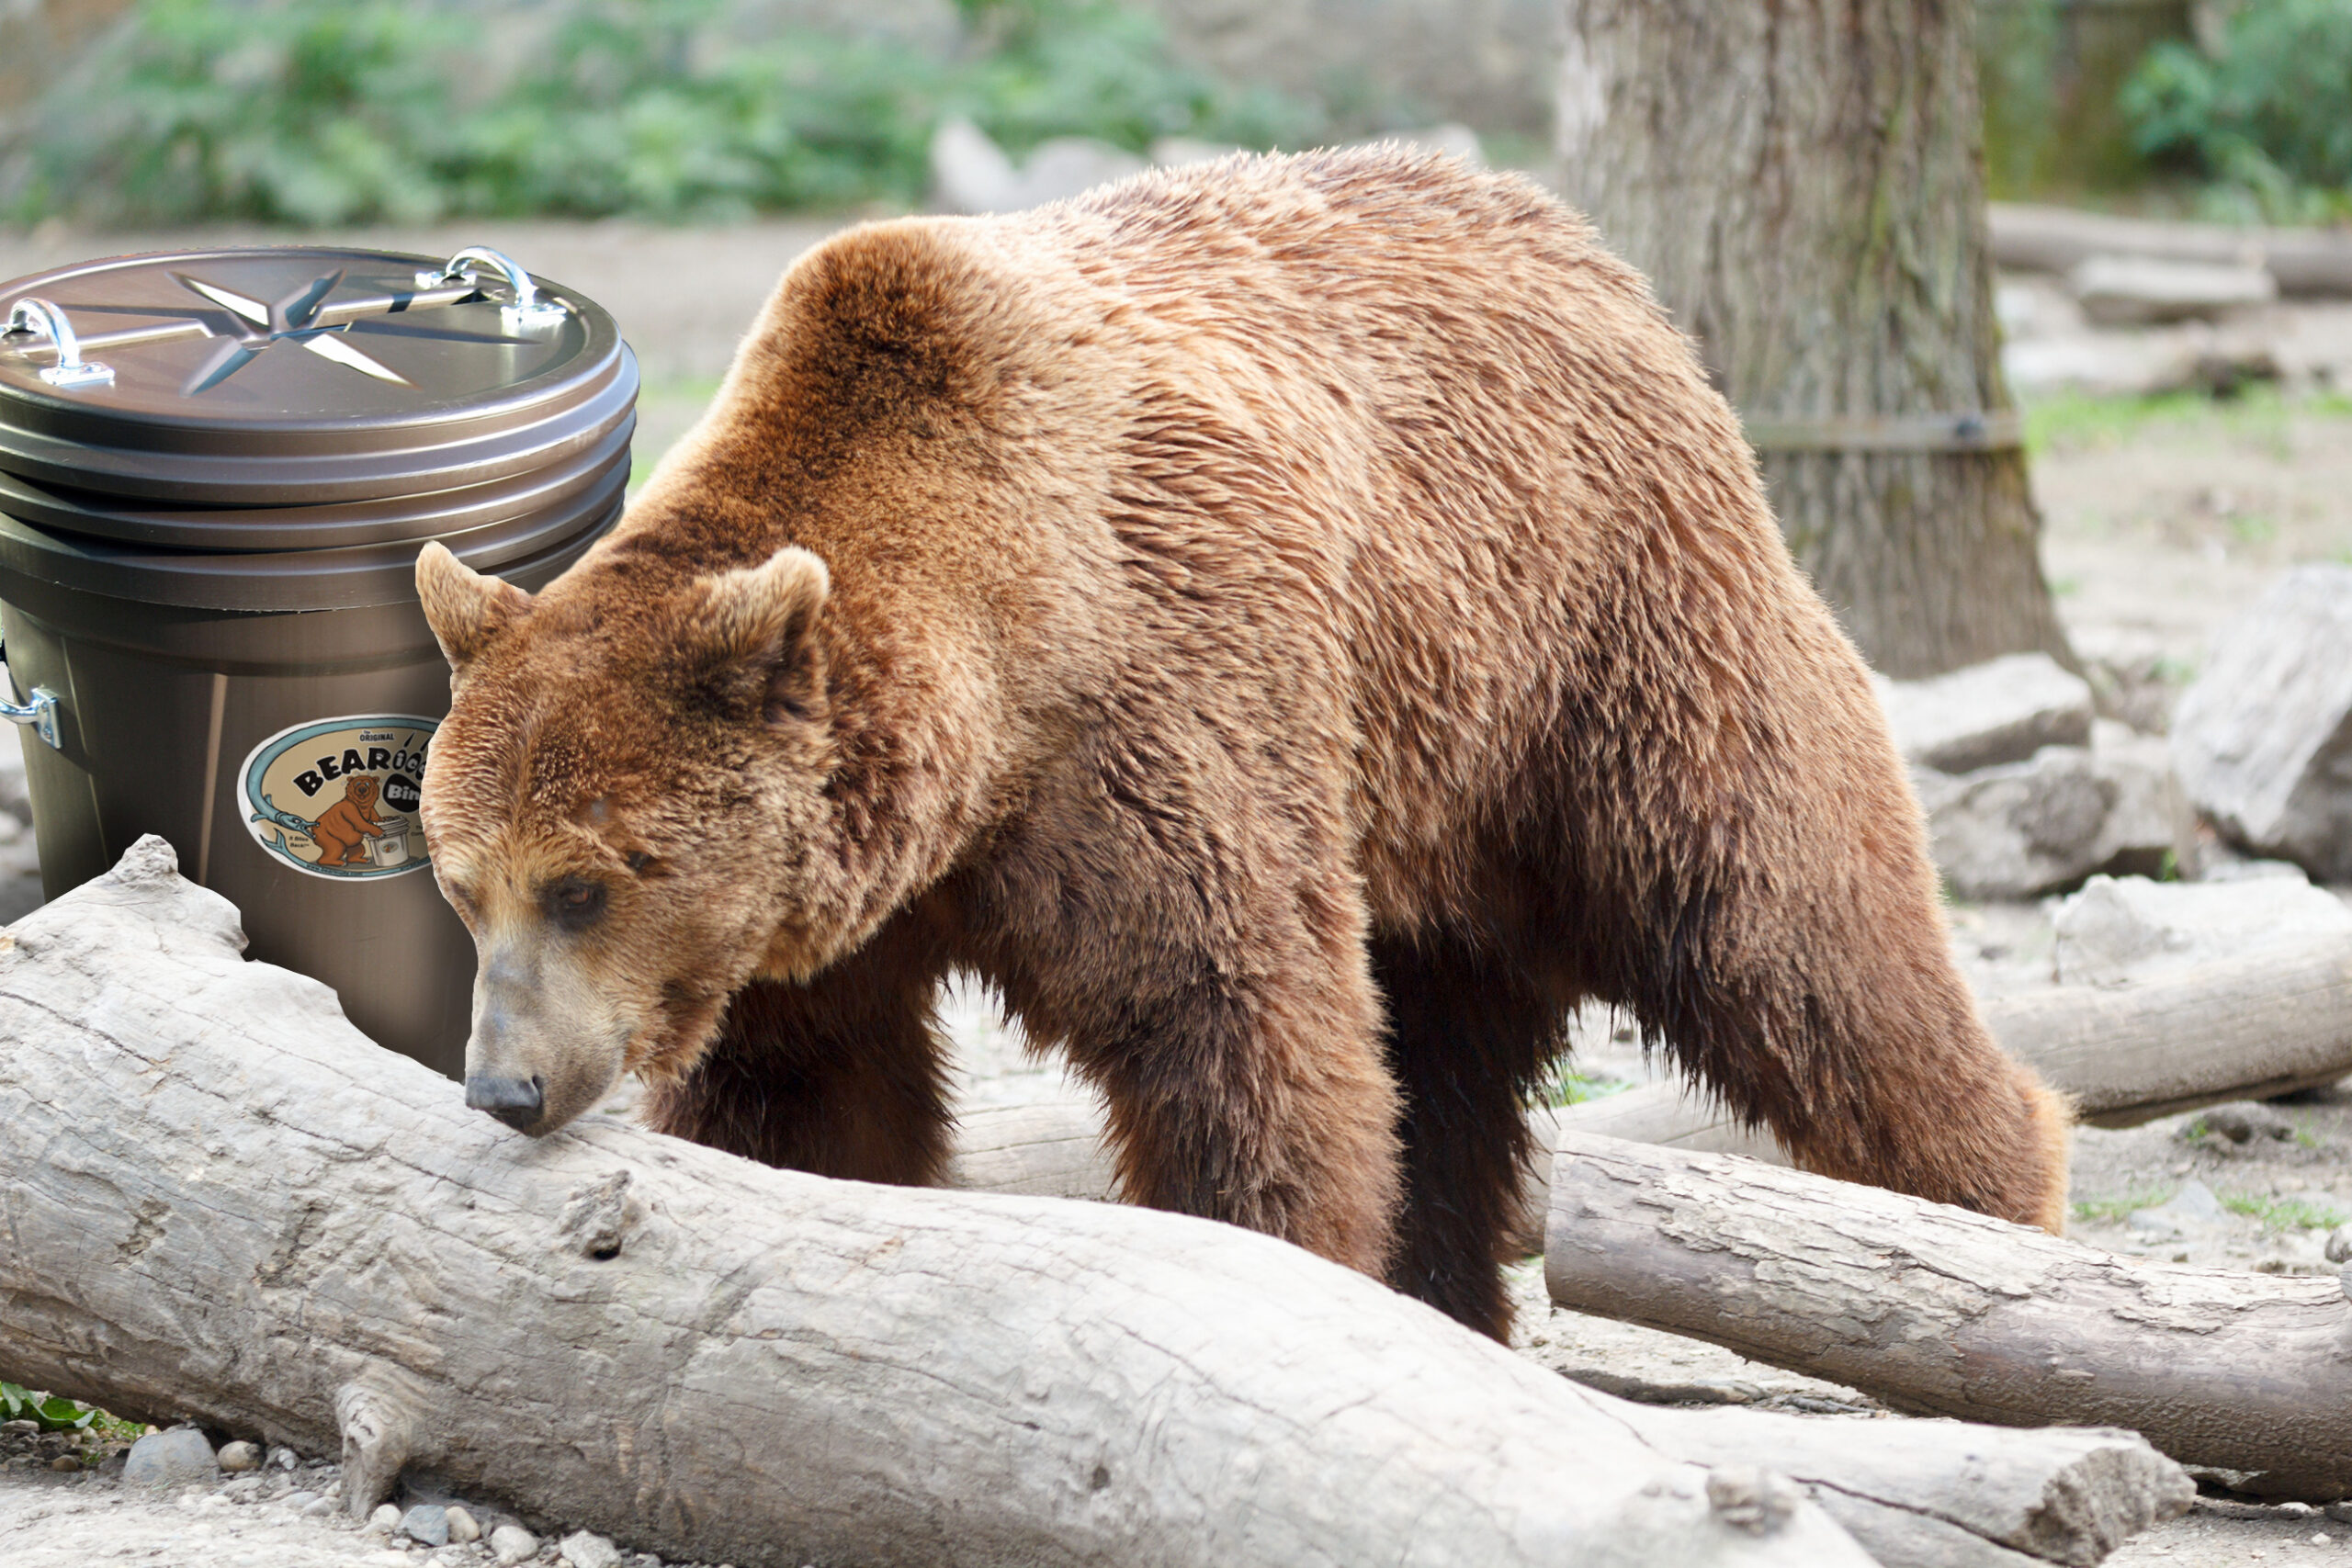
[{"x": 518, "y": 1102}]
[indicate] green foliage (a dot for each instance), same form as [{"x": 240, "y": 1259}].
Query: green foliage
[
  {"x": 338, "y": 111},
  {"x": 2262, "y": 415},
  {"x": 1565, "y": 1087},
  {"x": 2116, "y": 1210},
  {"x": 2269, "y": 117},
  {"x": 19, "y": 1403},
  {"x": 2285, "y": 1213}
]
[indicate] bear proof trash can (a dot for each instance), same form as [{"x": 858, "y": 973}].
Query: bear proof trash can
[{"x": 215, "y": 471}]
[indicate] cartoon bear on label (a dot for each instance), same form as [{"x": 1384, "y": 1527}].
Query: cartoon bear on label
[
  {"x": 1297, "y": 627},
  {"x": 343, "y": 829}
]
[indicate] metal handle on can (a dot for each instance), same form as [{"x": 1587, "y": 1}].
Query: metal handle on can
[
  {"x": 526, "y": 313},
  {"x": 40, "y": 713},
  {"x": 40, "y": 317}
]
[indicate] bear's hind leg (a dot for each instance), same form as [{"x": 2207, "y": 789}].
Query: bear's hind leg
[
  {"x": 1467, "y": 1035},
  {"x": 841, "y": 1076},
  {"x": 1827, "y": 1007}
]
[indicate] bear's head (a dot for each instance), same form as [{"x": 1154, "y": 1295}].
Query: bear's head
[
  {"x": 360, "y": 789},
  {"x": 625, "y": 807}
]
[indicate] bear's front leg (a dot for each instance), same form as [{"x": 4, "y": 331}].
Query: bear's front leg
[
  {"x": 1211, "y": 983},
  {"x": 841, "y": 1076}
]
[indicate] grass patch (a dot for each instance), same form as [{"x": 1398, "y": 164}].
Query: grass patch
[
  {"x": 2285, "y": 1213},
  {"x": 2115, "y": 1211},
  {"x": 2073, "y": 421},
  {"x": 1566, "y": 1086}
]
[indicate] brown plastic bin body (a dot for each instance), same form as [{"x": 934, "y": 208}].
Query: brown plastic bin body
[{"x": 241, "y": 666}]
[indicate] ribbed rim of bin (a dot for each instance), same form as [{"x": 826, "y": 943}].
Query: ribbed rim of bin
[
  {"x": 295, "y": 580},
  {"x": 394, "y": 519},
  {"x": 158, "y": 430}
]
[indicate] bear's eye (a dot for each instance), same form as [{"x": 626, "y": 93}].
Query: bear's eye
[{"x": 574, "y": 903}]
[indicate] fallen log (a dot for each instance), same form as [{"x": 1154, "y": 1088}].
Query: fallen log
[
  {"x": 224, "y": 1202},
  {"x": 2028, "y": 238},
  {"x": 2238, "y": 1028},
  {"x": 1936, "y": 1310}
]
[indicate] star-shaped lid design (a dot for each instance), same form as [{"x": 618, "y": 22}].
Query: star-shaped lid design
[{"x": 274, "y": 376}]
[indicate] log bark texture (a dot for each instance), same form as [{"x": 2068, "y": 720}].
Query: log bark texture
[
  {"x": 228, "y": 1203},
  {"x": 2059, "y": 239},
  {"x": 2244, "y": 1029},
  {"x": 1940, "y": 1311},
  {"x": 1803, "y": 184},
  {"x": 223, "y": 1201}
]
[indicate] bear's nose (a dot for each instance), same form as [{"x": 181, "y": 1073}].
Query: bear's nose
[{"x": 515, "y": 1101}]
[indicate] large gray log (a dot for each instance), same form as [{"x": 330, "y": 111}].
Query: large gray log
[
  {"x": 223, "y": 1201},
  {"x": 1937, "y": 1309},
  {"x": 2234, "y": 1029},
  {"x": 2058, "y": 239},
  {"x": 1951, "y": 1494}
]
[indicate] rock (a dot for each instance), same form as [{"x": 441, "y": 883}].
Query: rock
[
  {"x": 2142, "y": 363},
  {"x": 2242, "y": 1123},
  {"x": 240, "y": 1456},
  {"x": 385, "y": 1518},
  {"x": 1176, "y": 151},
  {"x": 2002, "y": 711},
  {"x": 2192, "y": 1209},
  {"x": 2137, "y": 290},
  {"x": 2262, "y": 740},
  {"x": 317, "y": 1507},
  {"x": 2149, "y": 822},
  {"x": 971, "y": 173},
  {"x": 2338, "y": 1248},
  {"x": 2028, "y": 827},
  {"x": 584, "y": 1549},
  {"x": 2341, "y": 1511},
  {"x": 177, "y": 1458},
  {"x": 283, "y": 1458},
  {"x": 463, "y": 1530},
  {"x": 65, "y": 1461},
  {"x": 2119, "y": 930},
  {"x": 512, "y": 1543},
  {"x": 2224, "y": 866},
  {"x": 427, "y": 1522}
]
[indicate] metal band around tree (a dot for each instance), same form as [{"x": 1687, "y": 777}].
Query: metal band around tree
[{"x": 2001, "y": 431}]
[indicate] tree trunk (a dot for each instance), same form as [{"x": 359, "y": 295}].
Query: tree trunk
[
  {"x": 1804, "y": 181},
  {"x": 1937, "y": 1309},
  {"x": 223, "y": 1200}
]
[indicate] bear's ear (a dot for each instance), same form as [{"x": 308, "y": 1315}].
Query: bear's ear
[
  {"x": 464, "y": 608},
  {"x": 751, "y": 635}
]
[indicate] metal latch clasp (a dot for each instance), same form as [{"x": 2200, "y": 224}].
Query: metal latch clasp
[
  {"x": 526, "y": 313},
  {"x": 40, "y": 713},
  {"x": 71, "y": 371}
]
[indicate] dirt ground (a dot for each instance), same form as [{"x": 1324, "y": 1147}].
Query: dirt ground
[{"x": 2161, "y": 522}]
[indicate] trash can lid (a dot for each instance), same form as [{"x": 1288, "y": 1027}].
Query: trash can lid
[{"x": 295, "y": 375}]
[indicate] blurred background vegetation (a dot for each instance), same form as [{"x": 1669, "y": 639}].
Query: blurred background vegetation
[
  {"x": 2229, "y": 111},
  {"x": 142, "y": 112}
]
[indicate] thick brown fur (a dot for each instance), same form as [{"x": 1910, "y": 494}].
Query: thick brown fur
[{"x": 1298, "y": 626}]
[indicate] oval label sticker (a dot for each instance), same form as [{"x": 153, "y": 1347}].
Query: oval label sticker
[{"x": 338, "y": 797}]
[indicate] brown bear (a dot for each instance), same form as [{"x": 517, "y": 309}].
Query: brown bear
[
  {"x": 1298, "y": 627},
  {"x": 343, "y": 829}
]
